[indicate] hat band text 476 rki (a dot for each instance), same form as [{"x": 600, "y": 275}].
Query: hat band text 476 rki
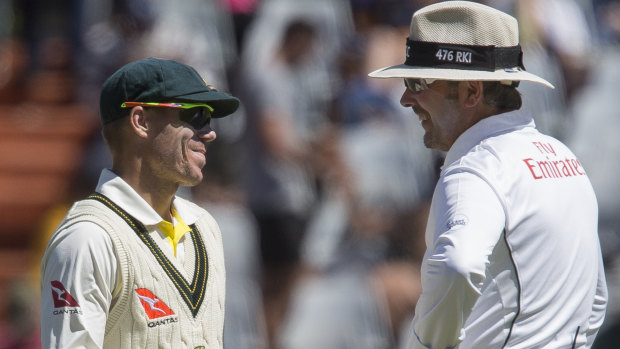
[{"x": 465, "y": 57}]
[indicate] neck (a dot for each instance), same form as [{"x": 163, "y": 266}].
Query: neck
[{"x": 157, "y": 193}]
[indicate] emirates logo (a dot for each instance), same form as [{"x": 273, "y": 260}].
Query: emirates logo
[
  {"x": 153, "y": 306},
  {"x": 62, "y": 298}
]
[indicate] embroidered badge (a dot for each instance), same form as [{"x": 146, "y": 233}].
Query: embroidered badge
[{"x": 153, "y": 306}]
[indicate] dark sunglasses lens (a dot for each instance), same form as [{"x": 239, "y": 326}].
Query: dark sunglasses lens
[
  {"x": 413, "y": 84},
  {"x": 410, "y": 84},
  {"x": 196, "y": 117}
]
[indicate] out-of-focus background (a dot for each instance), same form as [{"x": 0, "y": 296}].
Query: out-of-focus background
[{"x": 320, "y": 181}]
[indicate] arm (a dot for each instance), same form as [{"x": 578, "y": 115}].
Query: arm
[
  {"x": 598, "y": 307},
  {"x": 468, "y": 220},
  {"x": 79, "y": 262},
  {"x": 278, "y": 136}
]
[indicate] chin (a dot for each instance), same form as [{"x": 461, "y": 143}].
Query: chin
[
  {"x": 195, "y": 181},
  {"x": 192, "y": 179}
]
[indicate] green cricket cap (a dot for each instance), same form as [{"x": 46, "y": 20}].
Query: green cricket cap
[{"x": 161, "y": 81}]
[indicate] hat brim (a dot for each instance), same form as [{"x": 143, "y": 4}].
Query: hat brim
[
  {"x": 222, "y": 103},
  {"x": 407, "y": 71}
]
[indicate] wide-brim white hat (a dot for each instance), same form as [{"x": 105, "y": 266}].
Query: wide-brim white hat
[{"x": 462, "y": 40}]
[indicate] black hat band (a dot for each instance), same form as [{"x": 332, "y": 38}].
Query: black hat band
[{"x": 465, "y": 57}]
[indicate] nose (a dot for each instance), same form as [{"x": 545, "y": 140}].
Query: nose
[
  {"x": 206, "y": 134},
  {"x": 408, "y": 98}
]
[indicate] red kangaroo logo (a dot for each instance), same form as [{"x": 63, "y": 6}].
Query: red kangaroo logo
[
  {"x": 153, "y": 306},
  {"x": 61, "y": 297}
]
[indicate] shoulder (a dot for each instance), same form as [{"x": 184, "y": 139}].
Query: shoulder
[
  {"x": 79, "y": 240},
  {"x": 483, "y": 159},
  {"x": 80, "y": 248},
  {"x": 79, "y": 233},
  {"x": 82, "y": 233},
  {"x": 87, "y": 220}
]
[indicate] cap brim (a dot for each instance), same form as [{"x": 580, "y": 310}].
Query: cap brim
[
  {"x": 222, "y": 103},
  {"x": 407, "y": 71}
]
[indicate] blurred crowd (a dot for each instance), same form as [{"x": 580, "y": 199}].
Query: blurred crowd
[{"x": 320, "y": 181}]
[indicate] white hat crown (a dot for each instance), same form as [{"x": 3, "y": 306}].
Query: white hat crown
[{"x": 463, "y": 22}]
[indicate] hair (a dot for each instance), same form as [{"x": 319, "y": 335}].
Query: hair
[
  {"x": 297, "y": 40},
  {"x": 296, "y": 29},
  {"x": 503, "y": 97},
  {"x": 112, "y": 132}
]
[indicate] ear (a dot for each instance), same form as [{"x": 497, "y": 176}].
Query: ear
[
  {"x": 137, "y": 120},
  {"x": 472, "y": 93}
]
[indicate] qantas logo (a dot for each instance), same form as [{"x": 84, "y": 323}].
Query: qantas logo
[
  {"x": 153, "y": 306},
  {"x": 61, "y": 297}
]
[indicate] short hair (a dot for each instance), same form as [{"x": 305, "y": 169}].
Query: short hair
[
  {"x": 495, "y": 94},
  {"x": 296, "y": 29},
  {"x": 501, "y": 96},
  {"x": 113, "y": 130}
]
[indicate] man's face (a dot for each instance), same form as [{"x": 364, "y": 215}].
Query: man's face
[
  {"x": 178, "y": 149},
  {"x": 439, "y": 112}
]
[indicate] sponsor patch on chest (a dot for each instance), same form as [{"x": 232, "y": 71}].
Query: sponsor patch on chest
[{"x": 155, "y": 309}]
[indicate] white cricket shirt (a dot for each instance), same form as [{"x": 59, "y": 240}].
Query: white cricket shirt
[
  {"x": 513, "y": 257},
  {"x": 83, "y": 256}
]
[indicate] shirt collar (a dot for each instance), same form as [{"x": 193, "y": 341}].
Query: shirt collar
[
  {"x": 488, "y": 127},
  {"x": 187, "y": 210},
  {"x": 122, "y": 194}
]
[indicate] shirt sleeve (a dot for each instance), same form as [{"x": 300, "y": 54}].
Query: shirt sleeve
[
  {"x": 598, "y": 306},
  {"x": 78, "y": 279},
  {"x": 468, "y": 220}
]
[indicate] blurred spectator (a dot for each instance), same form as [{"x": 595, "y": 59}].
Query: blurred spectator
[
  {"x": 558, "y": 41},
  {"x": 242, "y": 13},
  {"x": 103, "y": 32},
  {"x": 366, "y": 238},
  {"x": 244, "y": 323},
  {"x": 596, "y": 111},
  {"x": 352, "y": 308},
  {"x": 287, "y": 65},
  {"x": 43, "y": 128},
  {"x": 284, "y": 120},
  {"x": 14, "y": 58},
  {"x": 22, "y": 329},
  {"x": 380, "y": 169},
  {"x": 198, "y": 33}
]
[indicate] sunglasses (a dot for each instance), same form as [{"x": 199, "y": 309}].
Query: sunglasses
[
  {"x": 417, "y": 85},
  {"x": 197, "y": 115}
]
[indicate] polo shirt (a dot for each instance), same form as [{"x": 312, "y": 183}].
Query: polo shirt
[{"x": 513, "y": 257}]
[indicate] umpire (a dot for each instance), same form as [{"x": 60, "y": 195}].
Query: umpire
[{"x": 513, "y": 257}]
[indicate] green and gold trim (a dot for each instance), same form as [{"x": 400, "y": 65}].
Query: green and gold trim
[{"x": 193, "y": 294}]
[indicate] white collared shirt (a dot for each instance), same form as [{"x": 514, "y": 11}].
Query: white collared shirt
[
  {"x": 513, "y": 258},
  {"x": 82, "y": 255}
]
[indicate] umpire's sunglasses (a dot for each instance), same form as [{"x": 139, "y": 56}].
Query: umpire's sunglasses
[
  {"x": 198, "y": 115},
  {"x": 417, "y": 85}
]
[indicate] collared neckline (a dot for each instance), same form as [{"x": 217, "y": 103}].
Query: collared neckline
[
  {"x": 174, "y": 230},
  {"x": 122, "y": 194},
  {"x": 488, "y": 127}
]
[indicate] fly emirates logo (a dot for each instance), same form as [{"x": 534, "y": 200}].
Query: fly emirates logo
[{"x": 550, "y": 165}]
